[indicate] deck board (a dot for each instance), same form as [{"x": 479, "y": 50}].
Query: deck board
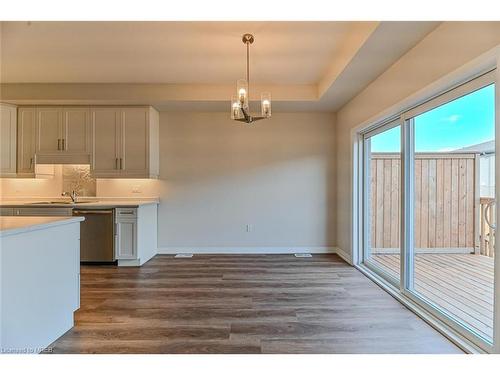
[{"x": 461, "y": 284}]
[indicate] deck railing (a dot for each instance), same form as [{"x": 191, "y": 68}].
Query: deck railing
[{"x": 488, "y": 225}]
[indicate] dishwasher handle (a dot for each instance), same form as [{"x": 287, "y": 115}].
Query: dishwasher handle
[{"x": 94, "y": 212}]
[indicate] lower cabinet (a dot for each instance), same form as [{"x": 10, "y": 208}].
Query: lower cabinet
[
  {"x": 136, "y": 234},
  {"x": 126, "y": 238}
]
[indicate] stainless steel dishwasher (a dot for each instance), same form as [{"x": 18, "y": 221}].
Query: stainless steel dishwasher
[{"x": 97, "y": 235}]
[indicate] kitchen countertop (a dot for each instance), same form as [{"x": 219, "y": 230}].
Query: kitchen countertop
[
  {"x": 10, "y": 225},
  {"x": 84, "y": 203}
]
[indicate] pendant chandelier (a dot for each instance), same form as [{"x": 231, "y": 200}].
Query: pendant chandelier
[{"x": 240, "y": 108}]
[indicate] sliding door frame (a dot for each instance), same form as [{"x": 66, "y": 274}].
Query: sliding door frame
[
  {"x": 454, "y": 85},
  {"x": 366, "y": 204}
]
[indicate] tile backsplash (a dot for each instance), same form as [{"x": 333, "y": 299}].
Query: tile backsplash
[
  {"x": 64, "y": 178},
  {"x": 77, "y": 178}
]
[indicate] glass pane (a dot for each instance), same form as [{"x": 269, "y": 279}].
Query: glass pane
[
  {"x": 454, "y": 197},
  {"x": 383, "y": 202}
]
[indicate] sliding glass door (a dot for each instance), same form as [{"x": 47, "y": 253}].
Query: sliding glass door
[
  {"x": 453, "y": 174},
  {"x": 428, "y": 206}
]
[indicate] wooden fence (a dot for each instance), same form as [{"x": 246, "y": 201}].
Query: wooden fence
[{"x": 446, "y": 202}]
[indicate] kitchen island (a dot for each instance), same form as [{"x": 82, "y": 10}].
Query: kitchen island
[{"x": 39, "y": 280}]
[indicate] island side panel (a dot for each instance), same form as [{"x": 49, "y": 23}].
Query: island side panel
[
  {"x": 40, "y": 286},
  {"x": 147, "y": 232}
]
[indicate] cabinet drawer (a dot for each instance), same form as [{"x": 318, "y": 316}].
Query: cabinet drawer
[{"x": 125, "y": 212}]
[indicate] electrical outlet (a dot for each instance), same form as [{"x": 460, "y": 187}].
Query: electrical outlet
[
  {"x": 249, "y": 227},
  {"x": 136, "y": 189}
]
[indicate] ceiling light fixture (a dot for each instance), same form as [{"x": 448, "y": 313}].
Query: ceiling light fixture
[{"x": 240, "y": 107}]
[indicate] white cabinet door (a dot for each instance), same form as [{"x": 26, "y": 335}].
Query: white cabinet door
[
  {"x": 8, "y": 140},
  {"x": 105, "y": 123},
  {"x": 26, "y": 144},
  {"x": 126, "y": 239},
  {"x": 76, "y": 130},
  {"x": 134, "y": 156},
  {"x": 48, "y": 130}
]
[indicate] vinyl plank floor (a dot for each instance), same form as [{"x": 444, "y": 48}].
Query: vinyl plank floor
[{"x": 242, "y": 304}]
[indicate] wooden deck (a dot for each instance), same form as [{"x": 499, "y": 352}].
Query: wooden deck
[{"x": 461, "y": 284}]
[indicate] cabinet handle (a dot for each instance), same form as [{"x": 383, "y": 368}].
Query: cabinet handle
[
  {"x": 126, "y": 212},
  {"x": 31, "y": 163},
  {"x": 63, "y": 144},
  {"x": 59, "y": 144},
  {"x": 121, "y": 167}
]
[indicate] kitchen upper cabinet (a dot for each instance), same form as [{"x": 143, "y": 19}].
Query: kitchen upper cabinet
[
  {"x": 26, "y": 144},
  {"x": 48, "y": 130},
  {"x": 134, "y": 141},
  {"x": 76, "y": 131},
  {"x": 117, "y": 142},
  {"x": 125, "y": 142},
  {"x": 105, "y": 127},
  {"x": 8, "y": 139},
  {"x": 63, "y": 135}
]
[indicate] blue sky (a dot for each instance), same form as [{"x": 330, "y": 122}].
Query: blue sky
[{"x": 463, "y": 122}]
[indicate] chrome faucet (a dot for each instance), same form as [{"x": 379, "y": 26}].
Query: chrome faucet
[{"x": 72, "y": 195}]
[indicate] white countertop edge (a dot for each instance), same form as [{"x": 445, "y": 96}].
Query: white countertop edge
[
  {"x": 101, "y": 203},
  {"x": 49, "y": 222}
]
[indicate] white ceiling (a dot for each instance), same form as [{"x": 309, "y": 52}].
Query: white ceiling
[
  {"x": 168, "y": 52},
  {"x": 332, "y": 60}
]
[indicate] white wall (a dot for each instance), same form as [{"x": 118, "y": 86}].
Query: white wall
[
  {"x": 126, "y": 187},
  {"x": 445, "y": 49},
  {"x": 217, "y": 176}
]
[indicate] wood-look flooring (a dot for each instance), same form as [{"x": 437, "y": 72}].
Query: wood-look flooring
[
  {"x": 242, "y": 304},
  {"x": 461, "y": 284}
]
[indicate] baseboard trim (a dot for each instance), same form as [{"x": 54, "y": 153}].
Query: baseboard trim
[
  {"x": 129, "y": 263},
  {"x": 247, "y": 250},
  {"x": 344, "y": 255}
]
